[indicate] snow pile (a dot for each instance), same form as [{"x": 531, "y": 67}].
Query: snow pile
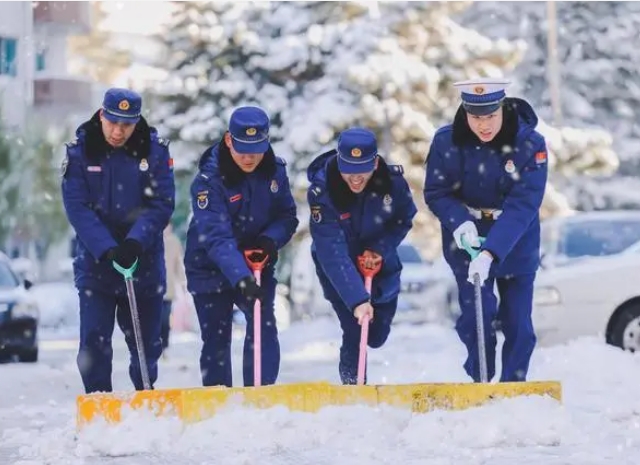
[{"x": 598, "y": 421}]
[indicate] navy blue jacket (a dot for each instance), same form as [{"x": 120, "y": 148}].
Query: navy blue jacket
[
  {"x": 231, "y": 210},
  {"x": 508, "y": 174},
  {"x": 114, "y": 194},
  {"x": 343, "y": 225}
]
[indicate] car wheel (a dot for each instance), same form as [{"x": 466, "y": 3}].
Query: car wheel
[
  {"x": 29, "y": 355},
  {"x": 625, "y": 329}
]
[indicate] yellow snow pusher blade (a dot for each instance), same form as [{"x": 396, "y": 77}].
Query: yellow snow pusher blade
[{"x": 196, "y": 404}]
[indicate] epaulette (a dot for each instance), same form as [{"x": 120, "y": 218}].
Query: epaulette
[
  {"x": 281, "y": 161},
  {"x": 396, "y": 169},
  {"x": 316, "y": 190},
  {"x": 72, "y": 143},
  {"x": 163, "y": 141}
]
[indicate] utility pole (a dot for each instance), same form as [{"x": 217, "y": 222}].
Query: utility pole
[{"x": 553, "y": 66}]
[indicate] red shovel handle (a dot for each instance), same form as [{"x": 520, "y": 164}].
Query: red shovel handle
[
  {"x": 368, "y": 272},
  {"x": 255, "y": 265}
]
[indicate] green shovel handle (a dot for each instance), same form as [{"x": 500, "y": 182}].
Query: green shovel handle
[
  {"x": 473, "y": 253},
  {"x": 126, "y": 272}
]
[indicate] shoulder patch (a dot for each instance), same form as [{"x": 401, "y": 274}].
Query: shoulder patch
[
  {"x": 163, "y": 141},
  {"x": 396, "y": 169},
  {"x": 281, "y": 161}
]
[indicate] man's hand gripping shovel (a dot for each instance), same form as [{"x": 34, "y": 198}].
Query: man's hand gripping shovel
[
  {"x": 257, "y": 267},
  {"x": 127, "y": 273},
  {"x": 368, "y": 273}
]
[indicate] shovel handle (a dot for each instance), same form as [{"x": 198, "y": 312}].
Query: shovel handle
[
  {"x": 364, "y": 329},
  {"x": 126, "y": 272},
  {"x": 255, "y": 265}
]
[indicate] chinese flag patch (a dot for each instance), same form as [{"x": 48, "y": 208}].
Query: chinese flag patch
[
  {"x": 541, "y": 157},
  {"x": 171, "y": 163}
]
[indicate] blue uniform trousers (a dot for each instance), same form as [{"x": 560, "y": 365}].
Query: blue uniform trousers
[
  {"x": 514, "y": 313},
  {"x": 379, "y": 329},
  {"x": 215, "y": 314},
  {"x": 98, "y": 313}
]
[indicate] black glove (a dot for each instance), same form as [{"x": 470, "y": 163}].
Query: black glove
[
  {"x": 126, "y": 253},
  {"x": 250, "y": 290},
  {"x": 268, "y": 248}
]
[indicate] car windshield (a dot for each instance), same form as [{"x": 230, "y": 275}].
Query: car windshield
[
  {"x": 7, "y": 277},
  {"x": 598, "y": 238},
  {"x": 409, "y": 254}
]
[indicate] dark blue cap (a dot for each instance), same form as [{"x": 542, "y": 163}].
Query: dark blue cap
[
  {"x": 482, "y": 96},
  {"x": 249, "y": 129},
  {"x": 357, "y": 151},
  {"x": 122, "y": 106}
]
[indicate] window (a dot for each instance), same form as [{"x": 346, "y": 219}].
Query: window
[
  {"x": 8, "y": 56},
  {"x": 599, "y": 238},
  {"x": 408, "y": 254},
  {"x": 41, "y": 60},
  {"x": 8, "y": 279}
]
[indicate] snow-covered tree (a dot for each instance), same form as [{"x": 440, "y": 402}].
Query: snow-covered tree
[
  {"x": 94, "y": 53},
  {"x": 319, "y": 67}
]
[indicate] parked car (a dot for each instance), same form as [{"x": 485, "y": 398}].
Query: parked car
[
  {"x": 597, "y": 297},
  {"x": 19, "y": 316},
  {"x": 415, "y": 279}
]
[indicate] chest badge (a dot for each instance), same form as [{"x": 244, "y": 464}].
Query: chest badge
[
  {"x": 274, "y": 186},
  {"x": 144, "y": 165},
  {"x": 510, "y": 167},
  {"x": 387, "y": 200}
]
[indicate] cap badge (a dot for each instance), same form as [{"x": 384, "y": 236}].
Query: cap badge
[
  {"x": 356, "y": 152},
  {"x": 123, "y": 105},
  {"x": 251, "y": 131},
  {"x": 478, "y": 90}
]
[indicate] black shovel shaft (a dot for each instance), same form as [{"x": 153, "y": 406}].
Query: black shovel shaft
[
  {"x": 482, "y": 350},
  {"x": 137, "y": 332}
]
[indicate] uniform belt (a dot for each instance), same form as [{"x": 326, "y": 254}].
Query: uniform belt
[{"x": 484, "y": 213}]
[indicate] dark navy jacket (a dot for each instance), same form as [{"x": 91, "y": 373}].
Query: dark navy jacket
[
  {"x": 231, "y": 210},
  {"x": 113, "y": 194},
  {"x": 343, "y": 225},
  {"x": 508, "y": 174}
]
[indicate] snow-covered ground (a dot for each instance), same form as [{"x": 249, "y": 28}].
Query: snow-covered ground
[{"x": 598, "y": 423}]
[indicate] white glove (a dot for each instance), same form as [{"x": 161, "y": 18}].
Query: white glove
[
  {"x": 469, "y": 232},
  {"x": 480, "y": 265}
]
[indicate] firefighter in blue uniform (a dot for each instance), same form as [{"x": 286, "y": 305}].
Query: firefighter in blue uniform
[
  {"x": 485, "y": 178},
  {"x": 241, "y": 201},
  {"x": 118, "y": 191},
  {"x": 359, "y": 205}
]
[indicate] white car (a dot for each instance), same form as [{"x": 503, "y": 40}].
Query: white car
[{"x": 597, "y": 296}]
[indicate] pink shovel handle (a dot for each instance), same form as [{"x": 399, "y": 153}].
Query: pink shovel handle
[
  {"x": 364, "y": 338},
  {"x": 257, "y": 337}
]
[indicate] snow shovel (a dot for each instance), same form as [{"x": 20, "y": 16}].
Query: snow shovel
[
  {"x": 368, "y": 274},
  {"x": 477, "y": 291},
  {"x": 127, "y": 273},
  {"x": 191, "y": 405},
  {"x": 256, "y": 267}
]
